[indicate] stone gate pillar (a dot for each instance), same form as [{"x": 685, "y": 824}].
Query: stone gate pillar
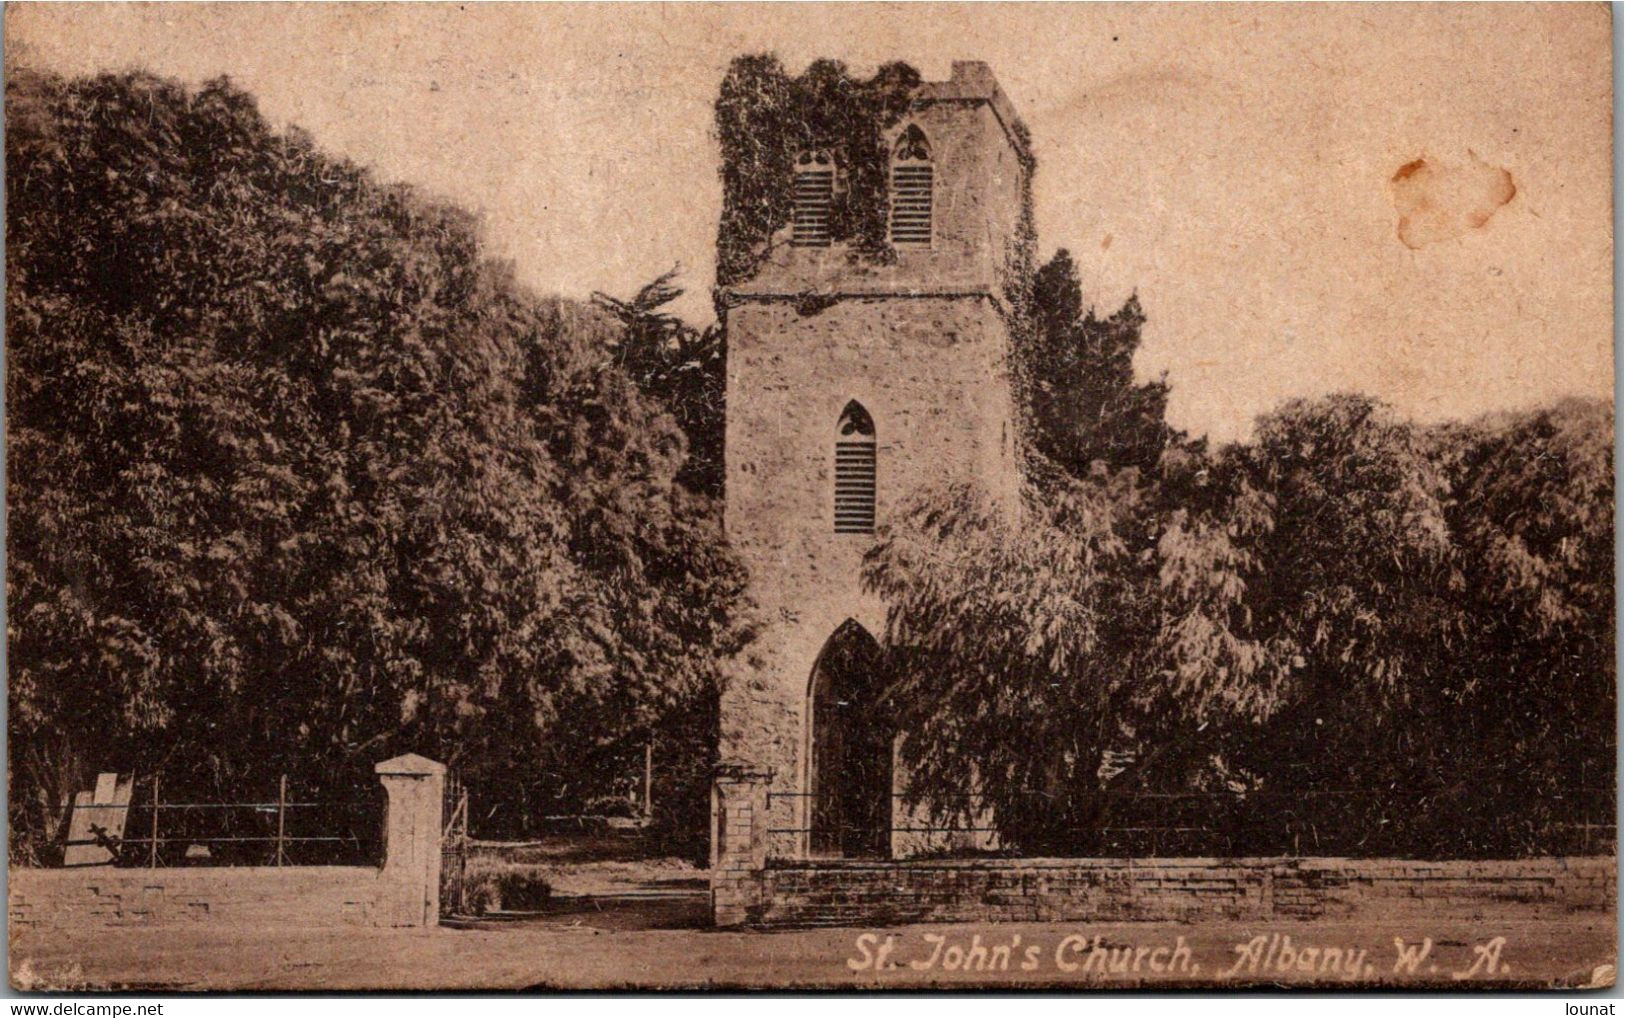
[
  {"x": 739, "y": 841},
  {"x": 409, "y": 886}
]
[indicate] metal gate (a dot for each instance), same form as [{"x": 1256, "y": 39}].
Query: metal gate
[{"x": 454, "y": 848}]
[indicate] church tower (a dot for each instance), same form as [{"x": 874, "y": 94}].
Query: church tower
[{"x": 851, "y": 382}]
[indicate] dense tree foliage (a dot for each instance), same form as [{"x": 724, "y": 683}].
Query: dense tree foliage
[
  {"x": 1349, "y": 634},
  {"x": 1533, "y": 517},
  {"x": 299, "y": 479},
  {"x": 1084, "y": 404},
  {"x": 682, "y": 367}
]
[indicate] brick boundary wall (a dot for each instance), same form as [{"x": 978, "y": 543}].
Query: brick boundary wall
[
  {"x": 405, "y": 891},
  {"x": 1162, "y": 890}
]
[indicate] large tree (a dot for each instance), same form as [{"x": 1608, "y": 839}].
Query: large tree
[
  {"x": 1028, "y": 654},
  {"x": 680, "y": 366},
  {"x": 1084, "y": 405},
  {"x": 300, "y": 479},
  {"x": 1349, "y": 634},
  {"x": 1530, "y": 701}
]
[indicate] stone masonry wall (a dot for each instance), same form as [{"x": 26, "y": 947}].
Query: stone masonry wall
[
  {"x": 291, "y": 895},
  {"x": 1178, "y": 890},
  {"x": 931, "y": 372}
]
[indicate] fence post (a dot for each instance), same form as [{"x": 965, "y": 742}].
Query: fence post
[
  {"x": 648, "y": 780},
  {"x": 462, "y": 848},
  {"x": 409, "y": 885},
  {"x": 739, "y": 829},
  {"x": 152, "y": 849},
  {"x": 281, "y": 814}
]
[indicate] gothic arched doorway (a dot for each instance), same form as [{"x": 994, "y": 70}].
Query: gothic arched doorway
[{"x": 850, "y": 763}]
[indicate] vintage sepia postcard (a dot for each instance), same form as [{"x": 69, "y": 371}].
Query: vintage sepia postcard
[{"x": 518, "y": 497}]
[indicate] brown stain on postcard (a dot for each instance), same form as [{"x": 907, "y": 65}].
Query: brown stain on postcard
[{"x": 1440, "y": 201}]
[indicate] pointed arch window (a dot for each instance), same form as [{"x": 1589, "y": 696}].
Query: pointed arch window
[
  {"x": 849, "y": 752},
  {"x": 911, "y": 183},
  {"x": 815, "y": 188},
  {"x": 855, "y": 471}
]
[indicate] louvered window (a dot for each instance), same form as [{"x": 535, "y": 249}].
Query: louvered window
[
  {"x": 911, "y": 189},
  {"x": 855, "y": 471},
  {"x": 815, "y": 186}
]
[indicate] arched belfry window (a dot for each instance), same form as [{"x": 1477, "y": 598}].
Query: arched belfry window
[
  {"x": 911, "y": 188},
  {"x": 815, "y": 187},
  {"x": 855, "y": 471}
]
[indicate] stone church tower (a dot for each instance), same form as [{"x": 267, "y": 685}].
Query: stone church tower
[{"x": 849, "y": 385}]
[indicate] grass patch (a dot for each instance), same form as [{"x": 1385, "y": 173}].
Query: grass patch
[{"x": 493, "y": 885}]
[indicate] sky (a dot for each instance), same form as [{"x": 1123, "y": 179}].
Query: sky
[{"x": 1233, "y": 165}]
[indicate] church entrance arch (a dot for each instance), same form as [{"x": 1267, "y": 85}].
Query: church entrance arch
[{"x": 850, "y": 749}]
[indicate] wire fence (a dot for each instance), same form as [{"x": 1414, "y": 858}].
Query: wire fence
[{"x": 284, "y": 828}]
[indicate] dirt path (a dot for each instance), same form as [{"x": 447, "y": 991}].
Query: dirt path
[{"x": 614, "y": 947}]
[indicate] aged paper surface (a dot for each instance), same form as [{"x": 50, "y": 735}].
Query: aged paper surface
[{"x": 825, "y": 495}]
